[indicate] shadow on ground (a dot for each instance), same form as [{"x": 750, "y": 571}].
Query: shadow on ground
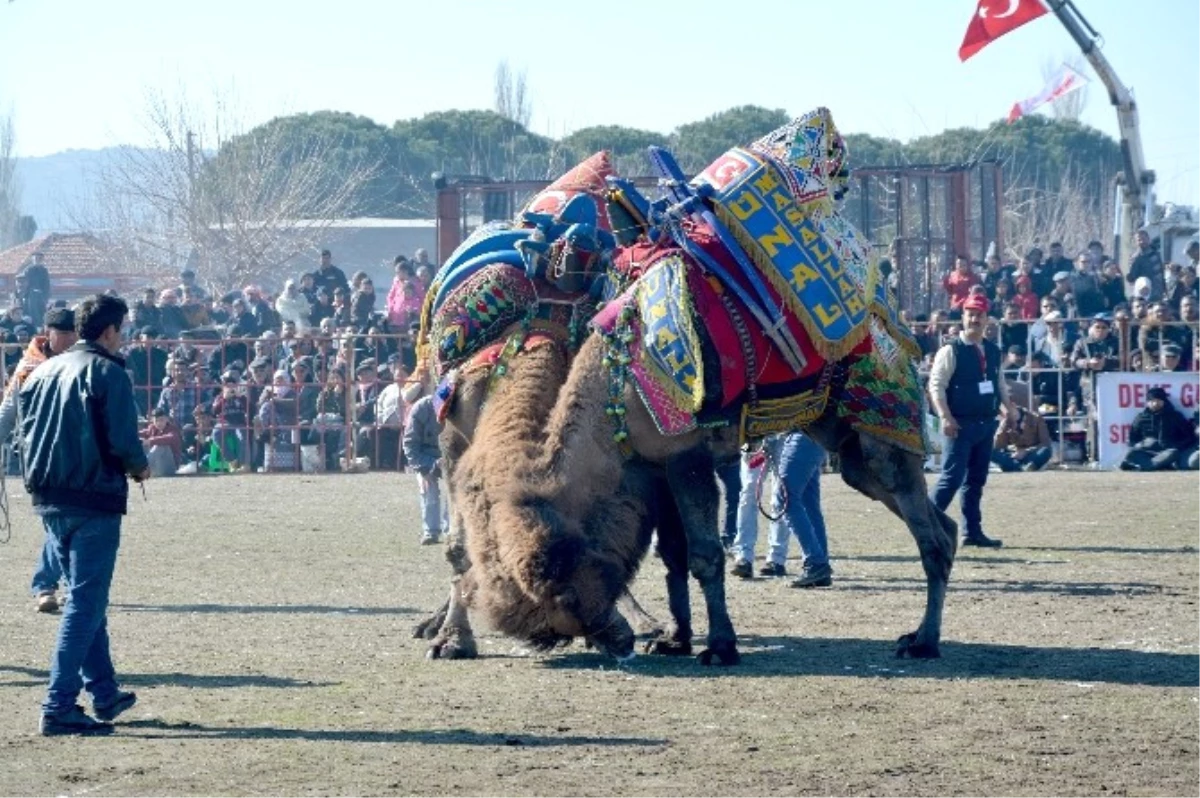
[
  {"x": 424, "y": 736},
  {"x": 272, "y": 609},
  {"x": 798, "y": 656},
  {"x": 872, "y": 584},
  {"x": 39, "y": 678}
]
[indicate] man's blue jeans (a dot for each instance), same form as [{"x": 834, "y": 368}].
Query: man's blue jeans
[
  {"x": 1034, "y": 460},
  {"x": 800, "y": 460},
  {"x": 85, "y": 548},
  {"x": 797, "y": 461},
  {"x": 965, "y": 461},
  {"x": 48, "y": 574},
  {"x": 435, "y": 516}
]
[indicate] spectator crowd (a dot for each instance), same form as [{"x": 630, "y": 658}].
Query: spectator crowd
[
  {"x": 1060, "y": 321},
  {"x": 316, "y": 377}
]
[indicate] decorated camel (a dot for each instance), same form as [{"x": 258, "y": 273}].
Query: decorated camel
[
  {"x": 513, "y": 301},
  {"x": 754, "y": 308}
]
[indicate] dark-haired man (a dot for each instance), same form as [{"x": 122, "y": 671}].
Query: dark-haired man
[
  {"x": 967, "y": 392},
  {"x": 60, "y": 336},
  {"x": 329, "y": 277},
  {"x": 79, "y": 441}
]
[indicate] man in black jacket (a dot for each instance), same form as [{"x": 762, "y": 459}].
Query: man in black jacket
[
  {"x": 79, "y": 440},
  {"x": 1161, "y": 439}
]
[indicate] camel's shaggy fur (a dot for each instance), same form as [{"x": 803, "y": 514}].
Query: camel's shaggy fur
[{"x": 540, "y": 570}]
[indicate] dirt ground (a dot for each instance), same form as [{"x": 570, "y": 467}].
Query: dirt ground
[{"x": 264, "y": 622}]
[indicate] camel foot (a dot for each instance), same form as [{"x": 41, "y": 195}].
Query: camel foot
[
  {"x": 454, "y": 645},
  {"x": 428, "y": 628},
  {"x": 907, "y": 646},
  {"x": 724, "y": 655},
  {"x": 669, "y": 646}
]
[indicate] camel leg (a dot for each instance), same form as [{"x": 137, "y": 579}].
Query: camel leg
[
  {"x": 453, "y": 444},
  {"x": 693, "y": 484},
  {"x": 676, "y": 640},
  {"x": 454, "y": 638},
  {"x": 895, "y": 477},
  {"x": 615, "y": 638},
  {"x": 643, "y": 623}
]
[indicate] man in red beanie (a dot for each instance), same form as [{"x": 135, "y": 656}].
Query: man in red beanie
[{"x": 967, "y": 392}]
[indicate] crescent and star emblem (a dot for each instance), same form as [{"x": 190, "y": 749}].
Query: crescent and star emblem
[{"x": 1013, "y": 5}]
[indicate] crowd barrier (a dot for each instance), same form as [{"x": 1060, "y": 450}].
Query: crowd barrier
[{"x": 308, "y": 429}]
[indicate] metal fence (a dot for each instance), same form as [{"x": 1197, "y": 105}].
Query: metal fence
[{"x": 312, "y": 404}]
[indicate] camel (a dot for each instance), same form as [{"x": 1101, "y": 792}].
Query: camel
[
  {"x": 561, "y": 255},
  {"x": 556, "y": 518}
]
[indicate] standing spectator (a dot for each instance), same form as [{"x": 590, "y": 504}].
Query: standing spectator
[
  {"x": 381, "y": 438},
  {"x": 60, "y": 336},
  {"x": 1147, "y": 263},
  {"x": 423, "y": 455},
  {"x": 38, "y": 279},
  {"x": 958, "y": 283},
  {"x": 404, "y": 297},
  {"x": 277, "y": 417},
  {"x": 1085, "y": 286},
  {"x": 147, "y": 364},
  {"x": 322, "y": 309},
  {"x": 172, "y": 322},
  {"x": 994, "y": 274},
  {"x": 293, "y": 307},
  {"x": 1160, "y": 438},
  {"x": 188, "y": 284},
  {"x": 146, "y": 312},
  {"x": 1013, "y": 331},
  {"x": 1022, "y": 443},
  {"x": 80, "y": 436},
  {"x": 260, "y": 309},
  {"x": 1061, "y": 294},
  {"x": 1057, "y": 262},
  {"x": 420, "y": 260},
  {"x": 1000, "y": 297},
  {"x": 798, "y": 461},
  {"x": 362, "y": 305},
  {"x": 328, "y": 276},
  {"x": 1039, "y": 273},
  {"x": 966, "y": 391},
  {"x": 1112, "y": 287},
  {"x": 1185, "y": 288},
  {"x": 331, "y": 417},
  {"x": 194, "y": 309},
  {"x": 1026, "y": 300},
  {"x": 1098, "y": 352}
]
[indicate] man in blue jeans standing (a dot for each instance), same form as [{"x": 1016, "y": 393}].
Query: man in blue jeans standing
[
  {"x": 796, "y": 460},
  {"x": 967, "y": 392},
  {"x": 79, "y": 440}
]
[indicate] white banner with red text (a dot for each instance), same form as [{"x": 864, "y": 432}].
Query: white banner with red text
[{"x": 1121, "y": 395}]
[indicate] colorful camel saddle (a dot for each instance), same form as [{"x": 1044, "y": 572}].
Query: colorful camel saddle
[
  {"x": 699, "y": 354},
  {"x": 536, "y": 272}
]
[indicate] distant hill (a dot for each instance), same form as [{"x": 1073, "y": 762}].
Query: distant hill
[{"x": 55, "y": 189}]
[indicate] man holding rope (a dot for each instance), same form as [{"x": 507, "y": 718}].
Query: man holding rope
[
  {"x": 60, "y": 335},
  {"x": 79, "y": 440}
]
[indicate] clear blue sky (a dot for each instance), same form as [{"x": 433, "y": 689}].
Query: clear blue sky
[{"x": 75, "y": 73}]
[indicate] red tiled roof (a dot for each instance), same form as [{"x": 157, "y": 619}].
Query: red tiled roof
[{"x": 75, "y": 253}]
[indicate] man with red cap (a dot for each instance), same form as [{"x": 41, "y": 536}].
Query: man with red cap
[{"x": 967, "y": 391}]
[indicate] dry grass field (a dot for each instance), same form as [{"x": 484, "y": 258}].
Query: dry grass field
[{"x": 264, "y": 622}]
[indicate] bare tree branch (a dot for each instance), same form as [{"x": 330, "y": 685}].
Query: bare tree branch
[{"x": 234, "y": 206}]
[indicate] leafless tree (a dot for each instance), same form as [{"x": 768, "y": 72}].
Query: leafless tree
[
  {"x": 236, "y": 206},
  {"x": 1067, "y": 214},
  {"x": 512, "y": 95},
  {"x": 10, "y": 189}
]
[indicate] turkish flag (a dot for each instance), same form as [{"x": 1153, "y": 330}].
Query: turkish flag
[{"x": 993, "y": 19}]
